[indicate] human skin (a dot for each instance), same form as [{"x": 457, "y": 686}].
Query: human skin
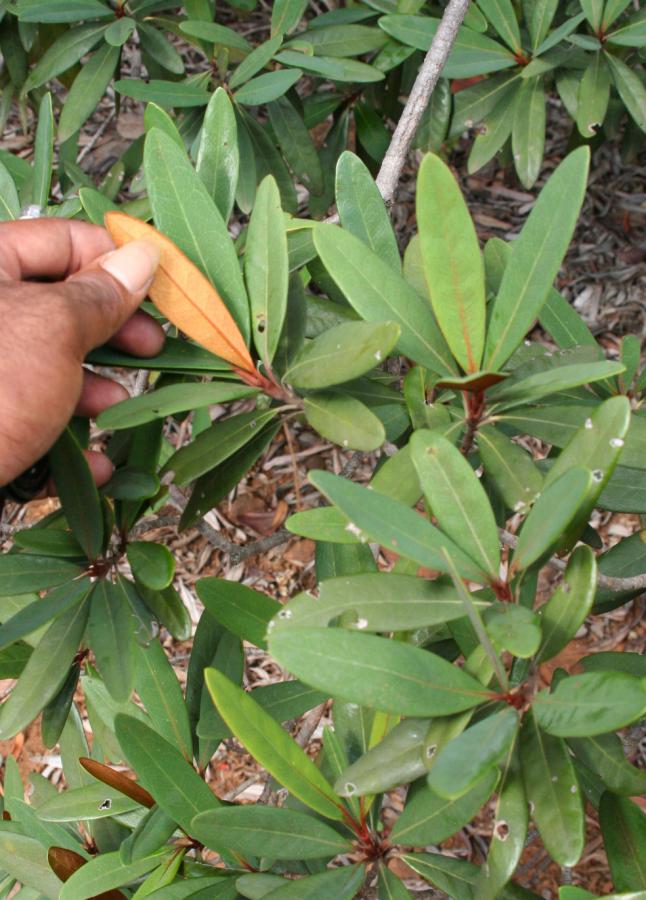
[{"x": 64, "y": 290}]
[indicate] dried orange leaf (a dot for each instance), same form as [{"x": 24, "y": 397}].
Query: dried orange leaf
[{"x": 184, "y": 295}]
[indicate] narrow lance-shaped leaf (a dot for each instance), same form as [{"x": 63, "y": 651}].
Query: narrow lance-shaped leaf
[
  {"x": 594, "y": 94},
  {"x": 184, "y": 295},
  {"x": 502, "y": 16},
  {"x": 43, "y": 153},
  {"x": 87, "y": 90},
  {"x": 510, "y": 469},
  {"x": 528, "y": 130},
  {"x": 536, "y": 257},
  {"x": 592, "y": 703},
  {"x": 111, "y": 633},
  {"x": 267, "y": 269},
  {"x": 159, "y": 689},
  {"x": 623, "y": 825},
  {"x": 218, "y": 158},
  {"x": 452, "y": 262},
  {"x": 630, "y": 88},
  {"x": 271, "y": 746},
  {"x": 296, "y": 143},
  {"x": 567, "y": 608}
]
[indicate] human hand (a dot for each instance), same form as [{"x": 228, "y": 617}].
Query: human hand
[{"x": 64, "y": 290}]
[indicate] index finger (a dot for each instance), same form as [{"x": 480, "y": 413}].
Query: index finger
[{"x": 49, "y": 248}]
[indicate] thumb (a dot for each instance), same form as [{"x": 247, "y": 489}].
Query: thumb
[{"x": 106, "y": 294}]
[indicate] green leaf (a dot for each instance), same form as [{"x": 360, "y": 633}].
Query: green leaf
[
  {"x": 64, "y": 53},
  {"x": 375, "y": 672},
  {"x": 168, "y": 94},
  {"x": 570, "y": 604},
  {"x": 285, "y": 15},
  {"x": 604, "y": 754},
  {"x": 514, "y": 628},
  {"x": 343, "y": 70},
  {"x": 390, "y": 886},
  {"x": 269, "y": 832},
  {"x": 341, "y": 354},
  {"x": 240, "y": 610},
  {"x": 267, "y": 87},
  {"x": 119, "y": 31},
  {"x": 558, "y": 34},
  {"x": 519, "y": 391},
  {"x": 60, "y": 10},
  {"x": 164, "y": 772},
  {"x": 296, "y": 144},
  {"x": 157, "y": 47},
  {"x": 381, "y": 601},
  {"x": 111, "y": 636},
  {"x": 593, "y": 10},
  {"x": 78, "y": 492},
  {"x": 257, "y": 60},
  {"x": 502, "y": 17},
  {"x": 344, "y": 40},
  {"x": 528, "y": 131},
  {"x": 161, "y": 694},
  {"x": 564, "y": 324},
  {"x": 474, "y": 104},
  {"x": 90, "y": 802},
  {"x": 218, "y": 157},
  {"x": 378, "y": 294},
  {"x": 49, "y": 542},
  {"x": 216, "y": 444},
  {"x": 612, "y": 10},
  {"x": 589, "y": 704},
  {"x": 45, "y": 672},
  {"x": 536, "y": 257},
  {"x": 630, "y": 88},
  {"x": 344, "y": 420},
  {"x": 393, "y": 525},
  {"x": 106, "y": 872},
  {"x": 594, "y": 94},
  {"x": 152, "y": 564},
  {"x": 180, "y": 200},
  {"x": 550, "y": 517},
  {"x": 429, "y": 818},
  {"x": 362, "y": 210},
  {"x": 623, "y": 825},
  {"x": 452, "y": 262},
  {"x": 465, "y": 760},
  {"x": 25, "y": 859},
  {"x": 43, "y": 153},
  {"x": 631, "y": 34},
  {"x": 552, "y": 792},
  {"x": 514, "y": 475},
  {"x": 271, "y": 746},
  {"x": 88, "y": 88},
  {"x": 456, "y": 877},
  {"x": 457, "y": 499},
  {"x": 342, "y": 883},
  {"x": 34, "y": 615},
  {"x": 9, "y": 201},
  {"x": 216, "y": 34},
  {"x": 495, "y": 130},
  {"x": 156, "y": 117},
  {"x": 267, "y": 269}
]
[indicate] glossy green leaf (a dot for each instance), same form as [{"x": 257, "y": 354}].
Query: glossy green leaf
[
  {"x": 34, "y": 615},
  {"x": 269, "y": 832},
  {"x": 152, "y": 564},
  {"x": 179, "y": 199},
  {"x": 452, "y": 262},
  {"x": 362, "y": 210},
  {"x": 25, "y": 859},
  {"x": 550, "y": 517},
  {"x": 165, "y": 93},
  {"x": 341, "y": 354},
  {"x": 457, "y": 499},
  {"x": 378, "y": 294},
  {"x": 257, "y": 60},
  {"x": 589, "y": 704},
  {"x": 216, "y": 444},
  {"x": 623, "y": 825},
  {"x": 604, "y": 754},
  {"x": 267, "y": 269},
  {"x": 343, "y": 70},
  {"x": 272, "y": 747},
  {"x": 375, "y": 672},
  {"x": 164, "y": 772},
  {"x": 87, "y": 90},
  {"x": 397, "y": 759},
  {"x": 104, "y": 873},
  {"x": 63, "y": 54},
  {"x": 552, "y": 792},
  {"x": 90, "y": 802},
  {"x": 239, "y": 609},
  {"x": 171, "y": 399},
  {"x": 570, "y": 604},
  {"x": 594, "y": 94},
  {"x": 267, "y": 87},
  {"x": 296, "y": 144},
  {"x": 111, "y": 636},
  {"x": 511, "y": 470},
  {"x": 286, "y": 14},
  {"x": 429, "y": 818},
  {"x": 630, "y": 88},
  {"x": 79, "y": 496},
  {"x": 218, "y": 157},
  {"x": 9, "y": 201},
  {"x": 132, "y": 484},
  {"x": 381, "y": 601},
  {"x": 344, "y": 420},
  {"x": 45, "y": 672},
  {"x": 536, "y": 257},
  {"x": 393, "y": 525},
  {"x": 161, "y": 694}
]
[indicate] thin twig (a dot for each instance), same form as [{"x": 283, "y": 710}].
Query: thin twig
[{"x": 427, "y": 78}]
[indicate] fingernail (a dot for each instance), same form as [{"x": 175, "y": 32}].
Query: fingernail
[{"x": 133, "y": 265}]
